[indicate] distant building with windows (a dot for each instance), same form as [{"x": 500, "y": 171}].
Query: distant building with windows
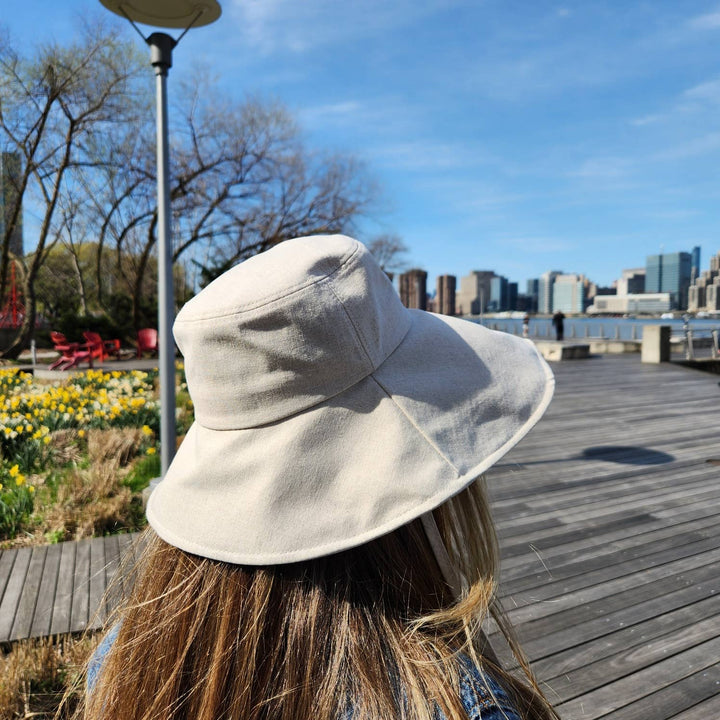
[
  {"x": 474, "y": 294},
  {"x": 445, "y": 297},
  {"x": 568, "y": 294},
  {"x": 413, "y": 289},
  {"x": 632, "y": 282},
  {"x": 545, "y": 291},
  {"x": 704, "y": 293},
  {"x": 10, "y": 172},
  {"x": 671, "y": 273},
  {"x": 530, "y": 301},
  {"x": 634, "y": 304}
]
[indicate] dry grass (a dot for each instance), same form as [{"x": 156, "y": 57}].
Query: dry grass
[
  {"x": 90, "y": 500},
  {"x": 93, "y": 501},
  {"x": 34, "y": 675}
]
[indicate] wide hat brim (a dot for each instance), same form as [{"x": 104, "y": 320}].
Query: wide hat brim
[{"x": 446, "y": 405}]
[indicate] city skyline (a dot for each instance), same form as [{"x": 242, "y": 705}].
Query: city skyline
[{"x": 513, "y": 135}]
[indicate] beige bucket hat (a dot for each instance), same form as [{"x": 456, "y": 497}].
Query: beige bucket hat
[{"x": 327, "y": 413}]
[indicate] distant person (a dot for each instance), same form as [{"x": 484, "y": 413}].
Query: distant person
[
  {"x": 526, "y": 325},
  {"x": 558, "y": 320},
  {"x": 320, "y": 547}
]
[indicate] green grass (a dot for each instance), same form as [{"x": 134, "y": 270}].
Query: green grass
[{"x": 144, "y": 470}]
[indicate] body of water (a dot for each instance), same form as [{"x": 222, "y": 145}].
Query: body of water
[{"x": 592, "y": 327}]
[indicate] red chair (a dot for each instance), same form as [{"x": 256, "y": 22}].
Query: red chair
[
  {"x": 101, "y": 349},
  {"x": 71, "y": 354},
  {"x": 147, "y": 341}
]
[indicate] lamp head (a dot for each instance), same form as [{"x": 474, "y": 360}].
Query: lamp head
[{"x": 166, "y": 13}]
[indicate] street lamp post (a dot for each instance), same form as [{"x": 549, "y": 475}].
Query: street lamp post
[{"x": 167, "y": 14}]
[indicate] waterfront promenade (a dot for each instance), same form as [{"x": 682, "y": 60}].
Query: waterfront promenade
[
  {"x": 609, "y": 519},
  {"x": 608, "y": 514}
]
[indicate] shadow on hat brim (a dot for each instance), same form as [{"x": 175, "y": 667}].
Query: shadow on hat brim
[{"x": 446, "y": 405}]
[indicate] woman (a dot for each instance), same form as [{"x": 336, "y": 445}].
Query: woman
[{"x": 319, "y": 547}]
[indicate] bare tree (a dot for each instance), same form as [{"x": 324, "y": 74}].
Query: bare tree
[
  {"x": 80, "y": 118},
  {"x": 389, "y": 251},
  {"x": 241, "y": 181},
  {"x": 53, "y": 106}
]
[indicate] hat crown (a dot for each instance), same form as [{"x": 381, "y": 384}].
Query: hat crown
[{"x": 287, "y": 329}]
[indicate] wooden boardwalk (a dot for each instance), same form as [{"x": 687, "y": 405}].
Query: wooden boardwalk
[{"x": 609, "y": 517}]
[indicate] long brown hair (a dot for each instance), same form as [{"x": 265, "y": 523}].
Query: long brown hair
[{"x": 369, "y": 633}]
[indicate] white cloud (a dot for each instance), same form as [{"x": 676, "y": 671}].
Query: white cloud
[
  {"x": 297, "y": 26},
  {"x": 704, "y": 92},
  {"x": 603, "y": 168},
  {"x": 709, "y": 21},
  {"x": 709, "y": 142}
]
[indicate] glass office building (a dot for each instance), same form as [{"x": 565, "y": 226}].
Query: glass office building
[{"x": 670, "y": 273}]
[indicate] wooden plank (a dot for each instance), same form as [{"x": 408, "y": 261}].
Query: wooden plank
[
  {"x": 61, "y": 621},
  {"x": 28, "y": 597},
  {"x": 619, "y": 573},
  {"x": 566, "y": 558},
  {"x": 97, "y": 612},
  {"x": 42, "y": 618},
  {"x": 575, "y": 658},
  {"x": 113, "y": 581},
  {"x": 13, "y": 589},
  {"x": 7, "y": 559},
  {"x": 596, "y": 601},
  {"x": 632, "y": 659},
  {"x": 704, "y": 710},
  {"x": 81, "y": 587},
  {"x": 674, "y": 686},
  {"x": 126, "y": 543},
  {"x": 557, "y": 637}
]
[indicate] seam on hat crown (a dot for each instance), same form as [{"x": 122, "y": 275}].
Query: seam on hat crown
[
  {"x": 415, "y": 425},
  {"x": 358, "y": 332},
  {"x": 347, "y": 288}
]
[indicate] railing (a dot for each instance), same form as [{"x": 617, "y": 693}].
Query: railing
[
  {"x": 692, "y": 340},
  {"x": 698, "y": 344}
]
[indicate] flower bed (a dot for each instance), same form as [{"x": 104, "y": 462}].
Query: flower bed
[{"x": 75, "y": 454}]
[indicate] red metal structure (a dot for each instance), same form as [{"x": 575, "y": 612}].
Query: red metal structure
[{"x": 13, "y": 311}]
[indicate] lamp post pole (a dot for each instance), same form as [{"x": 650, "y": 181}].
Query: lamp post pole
[
  {"x": 182, "y": 14},
  {"x": 161, "y": 47}
]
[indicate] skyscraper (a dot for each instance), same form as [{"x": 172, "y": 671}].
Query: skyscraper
[
  {"x": 545, "y": 291},
  {"x": 498, "y": 294},
  {"x": 695, "y": 265},
  {"x": 671, "y": 273},
  {"x": 474, "y": 294},
  {"x": 413, "y": 289},
  {"x": 568, "y": 294},
  {"x": 446, "y": 294}
]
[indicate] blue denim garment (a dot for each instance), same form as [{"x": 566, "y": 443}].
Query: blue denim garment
[
  {"x": 477, "y": 699},
  {"x": 474, "y": 693},
  {"x": 98, "y": 657}
]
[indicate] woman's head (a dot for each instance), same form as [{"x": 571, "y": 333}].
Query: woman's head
[
  {"x": 369, "y": 632},
  {"x": 321, "y": 547}
]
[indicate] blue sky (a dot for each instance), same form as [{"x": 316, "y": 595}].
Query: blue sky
[{"x": 516, "y": 136}]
